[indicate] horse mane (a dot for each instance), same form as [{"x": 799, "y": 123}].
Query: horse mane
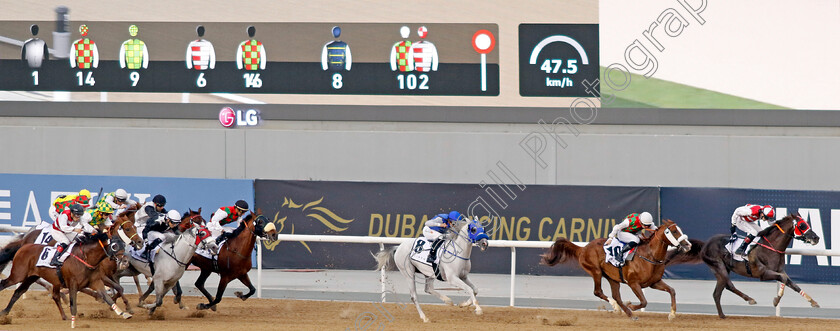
[
  {"x": 771, "y": 228},
  {"x": 241, "y": 226},
  {"x": 101, "y": 236}
]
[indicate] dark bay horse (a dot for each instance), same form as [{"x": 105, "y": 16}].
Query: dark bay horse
[
  {"x": 644, "y": 271},
  {"x": 79, "y": 271},
  {"x": 766, "y": 261},
  {"x": 234, "y": 259}
]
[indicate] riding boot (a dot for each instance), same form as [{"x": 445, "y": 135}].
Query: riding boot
[
  {"x": 59, "y": 249},
  {"x": 627, "y": 248},
  {"x": 742, "y": 249},
  {"x": 222, "y": 237},
  {"x": 147, "y": 253},
  {"x": 433, "y": 252}
]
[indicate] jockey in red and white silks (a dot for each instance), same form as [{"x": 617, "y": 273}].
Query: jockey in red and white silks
[
  {"x": 745, "y": 218},
  {"x": 67, "y": 224}
]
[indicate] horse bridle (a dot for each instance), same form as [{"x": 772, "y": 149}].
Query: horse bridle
[
  {"x": 122, "y": 234},
  {"x": 674, "y": 242}
]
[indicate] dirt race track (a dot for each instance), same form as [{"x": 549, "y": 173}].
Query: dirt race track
[{"x": 39, "y": 312}]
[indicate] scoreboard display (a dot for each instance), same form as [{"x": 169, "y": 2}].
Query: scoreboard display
[{"x": 299, "y": 58}]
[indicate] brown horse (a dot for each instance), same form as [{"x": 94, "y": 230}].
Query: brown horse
[
  {"x": 123, "y": 228},
  {"x": 234, "y": 259},
  {"x": 646, "y": 271},
  {"x": 766, "y": 261},
  {"x": 78, "y": 272}
]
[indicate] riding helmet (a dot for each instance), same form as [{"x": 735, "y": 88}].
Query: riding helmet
[
  {"x": 454, "y": 215},
  {"x": 77, "y": 209},
  {"x": 646, "y": 219},
  {"x": 159, "y": 200},
  {"x": 241, "y": 204},
  {"x": 121, "y": 194}
]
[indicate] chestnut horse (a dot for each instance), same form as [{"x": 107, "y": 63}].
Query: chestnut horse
[
  {"x": 78, "y": 272},
  {"x": 766, "y": 261},
  {"x": 234, "y": 258},
  {"x": 644, "y": 271}
]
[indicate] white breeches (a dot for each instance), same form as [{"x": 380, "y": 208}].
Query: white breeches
[
  {"x": 431, "y": 235},
  {"x": 751, "y": 228},
  {"x": 59, "y": 236},
  {"x": 627, "y": 237}
]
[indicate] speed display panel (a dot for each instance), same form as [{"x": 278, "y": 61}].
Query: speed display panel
[{"x": 279, "y": 58}]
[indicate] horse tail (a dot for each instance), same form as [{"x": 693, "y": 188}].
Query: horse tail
[
  {"x": 7, "y": 254},
  {"x": 693, "y": 256},
  {"x": 560, "y": 252},
  {"x": 385, "y": 259}
]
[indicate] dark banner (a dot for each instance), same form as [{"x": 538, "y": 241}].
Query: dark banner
[
  {"x": 704, "y": 212},
  {"x": 538, "y": 212}
]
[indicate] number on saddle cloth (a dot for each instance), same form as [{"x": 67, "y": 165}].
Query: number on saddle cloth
[
  {"x": 421, "y": 249},
  {"x": 44, "y": 237},
  {"x": 612, "y": 250}
]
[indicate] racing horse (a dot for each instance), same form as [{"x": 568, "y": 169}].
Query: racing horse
[
  {"x": 454, "y": 267},
  {"x": 766, "y": 261},
  {"x": 78, "y": 272},
  {"x": 172, "y": 259},
  {"x": 122, "y": 228},
  {"x": 234, "y": 258},
  {"x": 645, "y": 271}
]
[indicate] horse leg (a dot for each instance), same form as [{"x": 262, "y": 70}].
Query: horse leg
[
  {"x": 722, "y": 274},
  {"x": 56, "y": 296},
  {"x": 430, "y": 288},
  {"x": 460, "y": 283},
  {"x": 784, "y": 278},
  {"x": 178, "y": 292},
  {"x": 615, "y": 288},
  {"x": 247, "y": 282},
  {"x": 474, "y": 291},
  {"x": 120, "y": 293},
  {"x": 100, "y": 288},
  {"x": 72, "y": 294},
  {"x": 137, "y": 283},
  {"x": 160, "y": 291},
  {"x": 92, "y": 293},
  {"x": 49, "y": 287},
  {"x": 779, "y": 295},
  {"x": 412, "y": 289},
  {"x": 142, "y": 300},
  {"x": 219, "y": 293},
  {"x": 660, "y": 285},
  {"x": 637, "y": 290},
  {"x": 24, "y": 286},
  {"x": 599, "y": 292},
  {"x": 199, "y": 284}
]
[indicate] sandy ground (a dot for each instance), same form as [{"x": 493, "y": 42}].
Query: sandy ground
[{"x": 38, "y": 311}]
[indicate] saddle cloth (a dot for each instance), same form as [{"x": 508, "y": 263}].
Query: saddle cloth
[
  {"x": 137, "y": 254},
  {"x": 47, "y": 254},
  {"x": 206, "y": 253},
  {"x": 420, "y": 250},
  {"x": 733, "y": 245},
  {"x": 612, "y": 249},
  {"x": 44, "y": 237}
]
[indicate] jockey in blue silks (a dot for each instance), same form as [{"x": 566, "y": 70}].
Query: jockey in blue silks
[{"x": 435, "y": 229}]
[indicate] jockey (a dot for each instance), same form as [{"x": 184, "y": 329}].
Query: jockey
[
  {"x": 745, "y": 218},
  {"x": 68, "y": 222},
  {"x": 226, "y": 215},
  {"x": 118, "y": 200},
  {"x": 99, "y": 218},
  {"x": 435, "y": 228},
  {"x": 62, "y": 202},
  {"x": 629, "y": 231},
  {"x": 157, "y": 228},
  {"x": 151, "y": 209}
]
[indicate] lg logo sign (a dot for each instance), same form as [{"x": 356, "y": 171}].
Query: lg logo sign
[{"x": 233, "y": 118}]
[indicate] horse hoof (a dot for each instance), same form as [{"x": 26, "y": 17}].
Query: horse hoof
[
  {"x": 465, "y": 304},
  {"x": 213, "y": 308},
  {"x": 239, "y": 295},
  {"x": 479, "y": 312},
  {"x": 448, "y": 302},
  {"x": 815, "y": 304},
  {"x": 751, "y": 301},
  {"x": 126, "y": 316},
  {"x": 426, "y": 319},
  {"x": 635, "y": 318},
  {"x": 201, "y": 306},
  {"x": 672, "y": 316}
]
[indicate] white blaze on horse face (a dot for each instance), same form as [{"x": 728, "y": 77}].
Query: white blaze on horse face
[{"x": 123, "y": 236}]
